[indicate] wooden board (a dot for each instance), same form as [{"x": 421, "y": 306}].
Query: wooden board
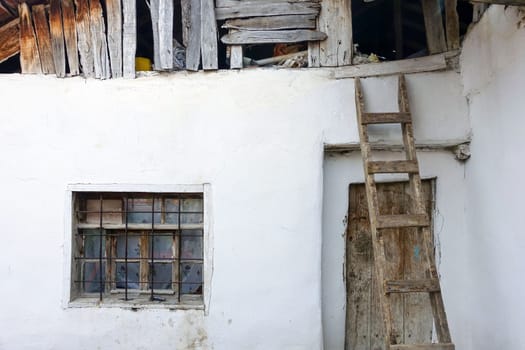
[
  {"x": 364, "y": 326},
  {"x": 70, "y": 35},
  {"x": 129, "y": 38},
  {"x": 29, "y": 55},
  {"x": 193, "y": 46},
  {"x": 236, "y": 3},
  {"x": 267, "y": 9},
  {"x": 452, "y": 24},
  {"x": 57, "y": 38},
  {"x": 166, "y": 34},
  {"x": 209, "y": 45},
  {"x": 272, "y": 36},
  {"x": 114, "y": 20},
  {"x": 433, "y": 26},
  {"x": 154, "y": 12},
  {"x": 83, "y": 25},
  {"x": 9, "y": 40},
  {"x": 273, "y": 23},
  {"x": 98, "y": 39},
  {"x": 335, "y": 20},
  {"x": 43, "y": 39}
]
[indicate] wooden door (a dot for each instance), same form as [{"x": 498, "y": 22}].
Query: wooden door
[{"x": 412, "y": 313}]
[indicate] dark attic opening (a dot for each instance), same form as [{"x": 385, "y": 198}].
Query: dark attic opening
[{"x": 386, "y": 30}]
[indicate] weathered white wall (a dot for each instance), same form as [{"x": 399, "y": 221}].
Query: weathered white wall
[
  {"x": 493, "y": 71},
  {"x": 256, "y": 137}
]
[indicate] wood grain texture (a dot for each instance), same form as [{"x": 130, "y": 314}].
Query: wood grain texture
[
  {"x": 98, "y": 40},
  {"x": 273, "y": 23},
  {"x": 185, "y": 8},
  {"x": 433, "y": 26},
  {"x": 29, "y": 55},
  {"x": 335, "y": 20},
  {"x": 85, "y": 49},
  {"x": 43, "y": 39},
  {"x": 193, "y": 47},
  {"x": 272, "y": 36},
  {"x": 166, "y": 34},
  {"x": 209, "y": 44},
  {"x": 251, "y": 9},
  {"x": 154, "y": 13},
  {"x": 386, "y": 118},
  {"x": 129, "y": 38},
  {"x": 237, "y": 3},
  {"x": 114, "y": 20},
  {"x": 70, "y": 36},
  {"x": 9, "y": 39},
  {"x": 392, "y": 166},
  {"x": 452, "y": 24},
  {"x": 402, "y": 220},
  {"x": 57, "y": 37},
  {"x": 412, "y": 286}
]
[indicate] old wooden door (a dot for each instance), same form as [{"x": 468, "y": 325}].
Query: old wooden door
[{"x": 412, "y": 313}]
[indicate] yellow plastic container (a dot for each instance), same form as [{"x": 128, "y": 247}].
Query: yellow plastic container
[{"x": 142, "y": 64}]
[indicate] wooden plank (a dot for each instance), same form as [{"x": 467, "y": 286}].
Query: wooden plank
[
  {"x": 29, "y": 55},
  {"x": 272, "y": 23},
  {"x": 70, "y": 35},
  {"x": 444, "y": 346},
  {"x": 274, "y": 36},
  {"x": 236, "y": 57},
  {"x": 43, "y": 37},
  {"x": 386, "y": 118},
  {"x": 433, "y": 26},
  {"x": 412, "y": 65},
  {"x": 393, "y": 166},
  {"x": 193, "y": 47},
  {"x": 452, "y": 24},
  {"x": 402, "y": 220},
  {"x": 129, "y": 38},
  {"x": 268, "y": 9},
  {"x": 9, "y": 40},
  {"x": 114, "y": 20},
  {"x": 154, "y": 13},
  {"x": 412, "y": 286},
  {"x": 166, "y": 34},
  {"x": 57, "y": 37},
  {"x": 335, "y": 20},
  {"x": 185, "y": 10},
  {"x": 98, "y": 39},
  {"x": 236, "y": 3},
  {"x": 83, "y": 25},
  {"x": 209, "y": 45},
  {"x": 314, "y": 53}
]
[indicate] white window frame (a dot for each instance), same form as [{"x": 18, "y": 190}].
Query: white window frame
[{"x": 205, "y": 189}]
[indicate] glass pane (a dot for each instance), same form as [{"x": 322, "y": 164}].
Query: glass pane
[
  {"x": 191, "y": 247},
  {"x": 162, "y": 246},
  {"x": 133, "y": 275},
  {"x": 191, "y": 277},
  {"x": 92, "y": 243},
  {"x": 191, "y": 211},
  {"x": 112, "y": 211},
  {"x": 161, "y": 276},
  {"x": 139, "y": 210},
  {"x": 172, "y": 205},
  {"x": 133, "y": 247},
  {"x": 93, "y": 280}
]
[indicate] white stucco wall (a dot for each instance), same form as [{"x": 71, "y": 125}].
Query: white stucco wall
[
  {"x": 493, "y": 72},
  {"x": 256, "y": 137}
]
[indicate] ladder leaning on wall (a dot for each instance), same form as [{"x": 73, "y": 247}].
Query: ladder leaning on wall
[{"x": 417, "y": 218}]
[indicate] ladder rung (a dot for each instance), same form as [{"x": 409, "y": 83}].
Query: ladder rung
[
  {"x": 386, "y": 118},
  {"x": 442, "y": 346},
  {"x": 406, "y": 220},
  {"x": 393, "y": 166},
  {"x": 412, "y": 286}
]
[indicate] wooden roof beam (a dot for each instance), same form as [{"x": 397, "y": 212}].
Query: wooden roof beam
[{"x": 9, "y": 40}]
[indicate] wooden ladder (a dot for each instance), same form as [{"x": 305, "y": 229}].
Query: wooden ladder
[{"x": 417, "y": 218}]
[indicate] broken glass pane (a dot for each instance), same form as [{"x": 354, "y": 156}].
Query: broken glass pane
[
  {"x": 139, "y": 210},
  {"x": 133, "y": 247},
  {"x": 161, "y": 275},
  {"x": 172, "y": 205},
  {"x": 191, "y": 211},
  {"x": 93, "y": 280},
  {"x": 133, "y": 275},
  {"x": 191, "y": 277},
  {"x": 162, "y": 246},
  {"x": 191, "y": 245},
  {"x": 92, "y": 241}
]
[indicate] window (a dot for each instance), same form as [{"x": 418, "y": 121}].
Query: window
[{"x": 138, "y": 247}]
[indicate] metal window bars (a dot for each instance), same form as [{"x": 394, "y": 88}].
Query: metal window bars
[{"x": 108, "y": 260}]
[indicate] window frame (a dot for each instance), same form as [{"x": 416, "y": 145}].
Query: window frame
[{"x": 73, "y": 299}]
